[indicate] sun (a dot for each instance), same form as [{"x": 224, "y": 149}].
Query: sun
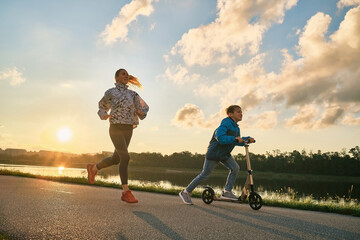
[{"x": 64, "y": 134}]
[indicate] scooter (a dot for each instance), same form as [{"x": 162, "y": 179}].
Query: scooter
[{"x": 254, "y": 199}]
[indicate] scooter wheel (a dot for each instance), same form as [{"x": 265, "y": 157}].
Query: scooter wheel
[
  {"x": 208, "y": 195},
  {"x": 255, "y": 201}
]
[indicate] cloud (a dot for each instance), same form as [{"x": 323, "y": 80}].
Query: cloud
[
  {"x": 179, "y": 75},
  {"x": 191, "y": 116},
  {"x": 239, "y": 27},
  {"x": 325, "y": 75},
  {"x": 1, "y": 126},
  {"x": 304, "y": 118},
  {"x": 308, "y": 117},
  {"x": 331, "y": 115},
  {"x": 13, "y": 75},
  {"x": 346, "y": 3},
  {"x": 246, "y": 85},
  {"x": 266, "y": 120},
  {"x": 327, "y": 70},
  {"x": 351, "y": 120},
  {"x": 321, "y": 83},
  {"x": 118, "y": 29}
]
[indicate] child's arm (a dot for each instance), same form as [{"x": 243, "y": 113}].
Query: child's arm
[
  {"x": 221, "y": 136},
  {"x": 242, "y": 142},
  {"x": 104, "y": 106}
]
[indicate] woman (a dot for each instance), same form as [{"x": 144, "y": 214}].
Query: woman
[{"x": 126, "y": 108}]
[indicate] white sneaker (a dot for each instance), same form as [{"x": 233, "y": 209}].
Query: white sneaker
[
  {"x": 228, "y": 196},
  {"x": 185, "y": 197}
]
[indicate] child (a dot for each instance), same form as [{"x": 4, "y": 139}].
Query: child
[
  {"x": 223, "y": 141},
  {"x": 126, "y": 109}
]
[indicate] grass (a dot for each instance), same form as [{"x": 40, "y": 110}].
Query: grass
[
  {"x": 3, "y": 237},
  {"x": 285, "y": 200}
]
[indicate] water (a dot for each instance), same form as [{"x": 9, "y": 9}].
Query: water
[{"x": 175, "y": 178}]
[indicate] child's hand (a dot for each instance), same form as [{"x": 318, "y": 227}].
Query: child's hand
[
  {"x": 252, "y": 140},
  {"x": 239, "y": 139}
]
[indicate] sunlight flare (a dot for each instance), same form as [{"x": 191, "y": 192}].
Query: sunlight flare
[
  {"x": 60, "y": 169},
  {"x": 64, "y": 134}
]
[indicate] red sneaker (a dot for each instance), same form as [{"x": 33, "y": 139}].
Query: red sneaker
[
  {"x": 128, "y": 197},
  {"x": 91, "y": 174}
]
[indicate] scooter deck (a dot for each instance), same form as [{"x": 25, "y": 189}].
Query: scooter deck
[{"x": 216, "y": 198}]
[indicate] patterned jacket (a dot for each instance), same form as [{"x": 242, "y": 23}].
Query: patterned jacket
[{"x": 124, "y": 104}]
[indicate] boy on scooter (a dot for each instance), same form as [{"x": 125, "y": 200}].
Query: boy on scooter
[{"x": 223, "y": 141}]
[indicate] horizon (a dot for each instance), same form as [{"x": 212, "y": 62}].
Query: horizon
[
  {"x": 292, "y": 65},
  {"x": 108, "y": 152}
]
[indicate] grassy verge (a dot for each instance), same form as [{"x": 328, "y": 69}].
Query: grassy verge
[
  {"x": 3, "y": 237},
  {"x": 340, "y": 206}
]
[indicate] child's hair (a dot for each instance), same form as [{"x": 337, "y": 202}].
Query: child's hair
[
  {"x": 132, "y": 80},
  {"x": 231, "y": 109}
]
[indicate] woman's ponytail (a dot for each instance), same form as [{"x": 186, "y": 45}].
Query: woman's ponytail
[{"x": 134, "y": 81}]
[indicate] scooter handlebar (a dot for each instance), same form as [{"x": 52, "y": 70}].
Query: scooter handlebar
[{"x": 247, "y": 141}]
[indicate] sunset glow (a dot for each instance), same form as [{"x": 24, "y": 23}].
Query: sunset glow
[
  {"x": 60, "y": 169},
  {"x": 64, "y": 134}
]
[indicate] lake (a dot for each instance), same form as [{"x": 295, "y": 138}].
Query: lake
[{"x": 315, "y": 186}]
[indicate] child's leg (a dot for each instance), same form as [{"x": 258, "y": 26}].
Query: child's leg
[
  {"x": 205, "y": 174},
  {"x": 234, "y": 168}
]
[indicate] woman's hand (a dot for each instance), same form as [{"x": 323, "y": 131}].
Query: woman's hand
[
  {"x": 252, "y": 140},
  {"x": 140, "y": 113},
  {"x": 105, "y": 117},
  {"x": 239, "y": 139}
]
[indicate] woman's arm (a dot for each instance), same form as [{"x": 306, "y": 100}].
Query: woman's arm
[
  {"x": 104, "y": 106},
  {"x": 141, "y": 107}
]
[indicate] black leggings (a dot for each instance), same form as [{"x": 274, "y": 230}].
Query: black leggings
[{"x": 120, "y": 135}]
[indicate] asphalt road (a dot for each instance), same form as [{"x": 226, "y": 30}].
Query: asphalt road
[{"x": 41, "y": 209}]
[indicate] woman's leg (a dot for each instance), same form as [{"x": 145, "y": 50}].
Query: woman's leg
[
  {"x": 209, "y": 165},
  {"x": 109, "y": 161},
  {"x": 121, "y": 136},
  {"x": 234, "y": 168}
]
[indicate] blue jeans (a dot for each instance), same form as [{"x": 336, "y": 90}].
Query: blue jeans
[{"x": 209, "y": 165}]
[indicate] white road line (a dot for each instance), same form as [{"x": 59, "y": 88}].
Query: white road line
[{"x": 54, "y": 190}]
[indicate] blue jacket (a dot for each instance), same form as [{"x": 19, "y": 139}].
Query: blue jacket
[{"x": 223, "y": 140}]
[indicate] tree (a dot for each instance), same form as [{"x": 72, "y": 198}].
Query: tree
[{"x": 355, "y": 152}]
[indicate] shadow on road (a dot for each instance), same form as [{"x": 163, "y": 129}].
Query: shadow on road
[
  {"x": 245, "y": 222},
  {"x": 158, "y": 224},
  {"x": 119, "y": 236},
  {"x": 291, "y": 223}
]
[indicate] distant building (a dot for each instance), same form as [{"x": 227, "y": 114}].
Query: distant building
[
  {"x": 45, "y": 153},
  {"x": 32, "y": 153},
  {"x": 14, "y": 152}
]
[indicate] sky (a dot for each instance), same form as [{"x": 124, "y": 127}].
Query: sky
[{"x": 292, "y": 65}]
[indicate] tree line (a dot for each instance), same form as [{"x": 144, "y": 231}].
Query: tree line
[{"x": 327, "y": 163}]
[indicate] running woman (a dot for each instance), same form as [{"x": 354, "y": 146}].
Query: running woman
[{"x": 126, "y": 107}]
